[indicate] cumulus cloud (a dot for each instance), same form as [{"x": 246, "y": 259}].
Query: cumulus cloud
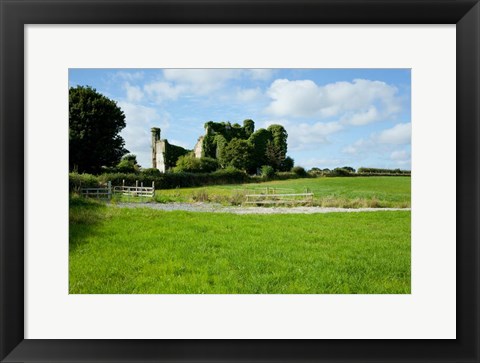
[
  {"x": 130, "y": 76},
  {"x": 260, "y": 74},
  {"x": 134, "y": 93},
  {"x": 357, "y": 103},
  {"x": 399, "y": 134},
  {"x": 249, "y": 95},
  {"x": 401, "y": 157},
  {"x": 200, "y": 81},
  {"x": 162, "y": 91}
]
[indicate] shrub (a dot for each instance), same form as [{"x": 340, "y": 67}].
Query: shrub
[
  {"x": 285, "y": 175},
  {"x": 267, "y": 172},
  {"x": 151, "y": 172},
  {"x": 191, "y": 164},
  {"x": 298, "y": 170},
  {"x": 237, "y": 198},
  {"x": 77, "y": 181},
  {"x": 207, "y": 165},
  {"x": 200, "y": 196},
  {"x": 172, "y": 180},
  {"x": 187, "y": 163},
  {"x": 341, "y": 172}
]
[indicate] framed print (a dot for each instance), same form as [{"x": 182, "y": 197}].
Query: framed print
[{"x": 308, "y": 75}]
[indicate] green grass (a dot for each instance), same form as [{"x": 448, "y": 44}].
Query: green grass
[
  {"x": 348, "y": 192},
  {"x": 125, "y": 251}
]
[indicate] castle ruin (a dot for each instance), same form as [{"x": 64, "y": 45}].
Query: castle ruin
[{"x": 269, "y": 145}]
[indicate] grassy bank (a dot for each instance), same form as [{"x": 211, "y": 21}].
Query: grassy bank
[
  {"x": 122, "y": 251},
  {"x": 347, "y": 192}
]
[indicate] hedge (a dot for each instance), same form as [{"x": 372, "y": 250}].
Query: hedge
[{"x": 162, "y": 181}]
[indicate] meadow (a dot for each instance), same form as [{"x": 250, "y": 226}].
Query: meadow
[
  {"x": 115, "y": 250},
  {"x": 346, "y": 192}
]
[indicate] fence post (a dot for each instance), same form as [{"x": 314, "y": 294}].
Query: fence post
[{"x": 109, "y": 189}]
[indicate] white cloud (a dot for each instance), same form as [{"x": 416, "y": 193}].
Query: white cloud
[
  {"x": 249, "y": 95},
  {"x": 294, "y": 98},
  {"x": 357, "y": 146},
  {"x": 399, "y": 155},
  {"x": 130, "y": 76},
  {"x": 398, "y": 135},
  {"x": 261, "y": 74},
  {"x": 383, "y": 141},
  {"x": 362, "y": 118},
  {"x": 161, "y": 91},
  {"x": 134, "y": 93},
  {"x": 358, "y": 103},
  {"x": 200, "y": 81}
]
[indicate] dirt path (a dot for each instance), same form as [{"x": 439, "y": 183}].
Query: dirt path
[{"x": 218, "y": 208}]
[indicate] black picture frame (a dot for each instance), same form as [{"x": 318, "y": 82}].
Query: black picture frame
[{"x": 15, "y": 14}]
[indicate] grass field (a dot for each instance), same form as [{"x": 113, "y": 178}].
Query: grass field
[
  {"x": 123, "y": 251},
  {"x": 354, "y": 192}
]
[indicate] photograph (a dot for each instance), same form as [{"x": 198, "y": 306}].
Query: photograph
[
  {"x": 239, "y": 181},
  {"x": 240, "y": 178}
]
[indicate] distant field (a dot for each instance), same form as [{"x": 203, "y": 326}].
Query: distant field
[
  {"x": 123, "y": 251},
  {"x": 349, "y": 192}
]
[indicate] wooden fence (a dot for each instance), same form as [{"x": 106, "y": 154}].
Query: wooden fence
[
  {"x": 99, "y": 193},
  {"x": 273, "y": 196},
  {"x": 131, "y": 191},
  {"x": 136, "y": 191}
]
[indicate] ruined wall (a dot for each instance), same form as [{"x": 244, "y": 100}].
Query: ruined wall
[
  {"x": 198, "y": 149},
  {"x": 164, "y": 154},
  {"x": 160, "y": 156}
]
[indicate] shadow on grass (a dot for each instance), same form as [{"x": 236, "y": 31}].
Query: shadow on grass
[{"x": 85, "y": 215}]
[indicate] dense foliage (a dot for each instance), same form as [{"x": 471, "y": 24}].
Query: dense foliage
[
  {"x": 128, "y": 164},
  {"x": 244, "y": 148},
  {"x": 190, "y": 164},
  {"x": 172, "y": 153}
]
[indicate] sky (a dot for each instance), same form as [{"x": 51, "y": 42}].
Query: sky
[{"x": 333, "y": 117}]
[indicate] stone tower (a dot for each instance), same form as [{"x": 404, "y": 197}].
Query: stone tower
[{"x": 158, "y": 150}]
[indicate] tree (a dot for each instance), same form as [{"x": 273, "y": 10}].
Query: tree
[
  {"x": 287, "y": 164},
  {"x": 259, "y": 140},
  {"x": 238, "y": 154},
  {"x": 128, "y": 164},
  {"x": 94, "y": 126},
  {"x": 279, "y": 138},
  {"x": 349, "y": 168},
  {"x": 300, "y": 171},
  {"x": 274, "y": 155},
  {"x": 249, "y": 127}
]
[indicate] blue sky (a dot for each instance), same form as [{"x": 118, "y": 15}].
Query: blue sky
[{"x": 334, "y": 117}]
